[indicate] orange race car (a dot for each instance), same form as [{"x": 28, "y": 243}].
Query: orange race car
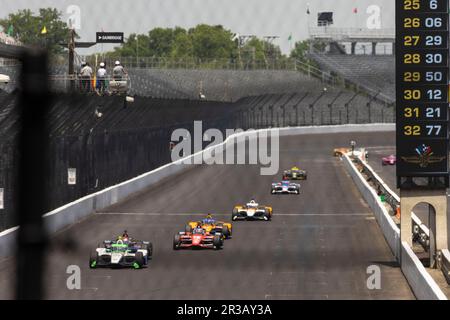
[
  {"x": 339, "y": 152},
  {"x": 212, "y": 226}
]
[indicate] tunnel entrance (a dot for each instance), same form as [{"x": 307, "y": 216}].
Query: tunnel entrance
[
  {"x": 423, "y": 219},
  {"x": 424, "y": 223}
]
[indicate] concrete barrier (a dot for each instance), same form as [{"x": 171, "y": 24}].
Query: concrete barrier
[
  {"x": 420, "y": 281},
  {"x": 423, "y": 285},
  {"x": 390, "y": 230},
  {"x": 73, "y": 212}
]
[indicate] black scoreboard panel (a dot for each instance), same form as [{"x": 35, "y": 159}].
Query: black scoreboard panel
[{"x": 422, "y": 77}]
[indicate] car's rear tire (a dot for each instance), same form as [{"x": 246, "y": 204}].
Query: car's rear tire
[
  {"x": 150, "y": 249},
  {"x": 217, "y": 242},
  {"x": 226, "y": 232},
  {"x": 188, "y": 228},
  {"x": 176, "y": 242},
  {"x": 93, "y": 259},
  {"x": 268, "y": 215},
  {"x": 140, "y": 259}
]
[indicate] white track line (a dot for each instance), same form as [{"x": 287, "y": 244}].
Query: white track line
[{"x": 228, "y": 214}]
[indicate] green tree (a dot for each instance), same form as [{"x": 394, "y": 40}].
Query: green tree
[
  {"x": 212, "y": 42},
  {"x": 27, "y": 27},
  {"x": 301, "y": 49},
  {"x": 260, "y": 51},
  {"x": 182, "y": 47},
  {"x": 160, "y": 42}
]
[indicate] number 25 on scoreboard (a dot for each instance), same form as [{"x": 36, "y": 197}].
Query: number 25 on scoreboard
[{"x": 417, "y": 4}]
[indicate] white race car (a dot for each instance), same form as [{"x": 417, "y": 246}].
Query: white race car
[
  {"x": 4, "y": 79},
  {"x": 122, "y": 253},
  {"x": 252, "y": 211},
  {"x": 285, "y": 187}
]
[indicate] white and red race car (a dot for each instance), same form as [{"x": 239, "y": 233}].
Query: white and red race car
[{"x": 389, "y": 160}]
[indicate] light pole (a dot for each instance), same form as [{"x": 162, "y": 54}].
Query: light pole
[
  {"x": 369, "y": 105},
  {"x": 283, "y": 108},
  {"x": 347, "y": 104},
  {"x": 137, "y": 51},
  {"x": 261, "y": 109},
  {"x": 296, "y": 108},
  {"x": 311, "y": 106},
  {"x": 271, "y": 115},
  {"x": 353, "y": 145},
  {"x": 330, "y": 106}
]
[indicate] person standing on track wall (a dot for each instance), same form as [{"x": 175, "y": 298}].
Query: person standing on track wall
[
  {"x": 102, "y": 74},
  {"x": 119, "y": 72},
  {"x": 86, "y": 77}
]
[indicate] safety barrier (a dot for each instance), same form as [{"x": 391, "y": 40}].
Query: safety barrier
[
  {"x": 444, "y": 263},
  {"x": 421, "y": 233},
  {"x": 390, "y": 230},
  {"x": 422, "y": 284}
]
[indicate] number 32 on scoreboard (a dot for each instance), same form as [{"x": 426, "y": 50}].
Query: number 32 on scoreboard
[{"x": 430, "y": 130}]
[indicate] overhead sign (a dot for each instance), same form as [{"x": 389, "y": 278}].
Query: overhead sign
[
  {"x": 422, "y": 76},
  {"x": 110, "y": 37},
  {"x": 72, "y": 176},
  {"x": 2, "y": 206}
]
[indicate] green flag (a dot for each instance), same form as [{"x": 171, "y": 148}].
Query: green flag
[
  {"x": 290, "y": 37},
  {"x": 10, "y": 31}
]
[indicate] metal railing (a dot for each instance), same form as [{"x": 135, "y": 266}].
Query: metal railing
[
  {"x": 351, "y": 33},
  {"x": 444, "y": 263},
  {"x": 337, "y": 80},
  {"x": 278, "y": 63},
  {"x": 421, "y": 233}
]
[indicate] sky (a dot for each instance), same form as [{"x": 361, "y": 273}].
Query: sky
[{"x": 245, "y": 17}]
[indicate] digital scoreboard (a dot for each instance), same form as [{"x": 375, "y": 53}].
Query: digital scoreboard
[{"x": 422, "y": 77}]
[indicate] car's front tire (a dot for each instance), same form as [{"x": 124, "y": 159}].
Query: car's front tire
[
  {"x": 93, "y": 259},
  {"x": 140, "y": 259},
  {"x": 217, "y": 242},
  {"x": 176, "y": 242}
]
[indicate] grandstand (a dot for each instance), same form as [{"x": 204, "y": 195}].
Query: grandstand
[
  {"x": 369, "y": 71},
  {"x": 217, "y": 85},
  {"x": 373, "y": 72}
]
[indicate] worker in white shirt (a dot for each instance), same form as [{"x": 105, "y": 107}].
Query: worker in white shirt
[
  {"x": 102, "y": 74},
  {"x": 86, "y": 77},
  {"x": 119, "y": 71}
]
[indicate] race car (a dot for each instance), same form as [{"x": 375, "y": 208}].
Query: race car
[
  {"x": 119, "y": 86},
  {"x": 339, "y": 152},
  {"x": 285, "y": 187},
  {"x": 4, "y": 79},
  {"x": 199, "y": 238},
  {"x": 252, "y": 211},
  {"x": 122, "y": 253},
  {"x": 389, "y": 160},
  {"x": 295, "y": 174},
  {"x": 211, "y": 226}
]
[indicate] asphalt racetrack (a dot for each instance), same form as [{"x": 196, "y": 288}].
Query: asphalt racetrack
[{"x": 318, "y": 245}]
